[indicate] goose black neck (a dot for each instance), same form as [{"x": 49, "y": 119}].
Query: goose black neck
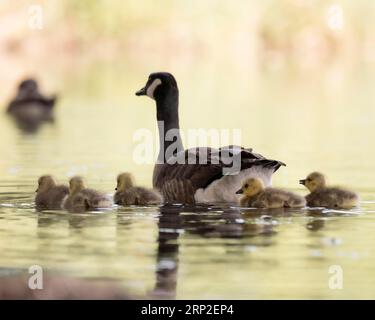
[{"x": 168, "y": 125}]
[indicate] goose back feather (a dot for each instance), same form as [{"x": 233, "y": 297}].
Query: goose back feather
[{"x": 215, "y": 181}]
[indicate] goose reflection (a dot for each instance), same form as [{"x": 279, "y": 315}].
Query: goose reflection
[
  {"x": 317, "y": 221},
  {"x": 237, "y": 230},
  {"x": 207, "y": 222}
]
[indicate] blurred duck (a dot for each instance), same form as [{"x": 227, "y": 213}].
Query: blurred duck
[
  {"x": 49, "y": 195},
  {"x": 330, "y": 197},
  {"x": 128, "y": 194},
  {"x": 29, "y": 107},
  {"x": 257, "y": 196},
  {"x": 82, "y": 198}
]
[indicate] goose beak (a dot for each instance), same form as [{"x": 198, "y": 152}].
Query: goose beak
[
  {"x": 239, "y": 191},
  {"x": 141, "y": 92},
  {"x": 302, "y": 181}
]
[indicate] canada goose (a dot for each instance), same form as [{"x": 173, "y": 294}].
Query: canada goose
[
  {"x": 178, "y": 175},
  {"x": 128, "y": 194},
  {"x": 257, "y": 196},
  {"x": 29, "y": 107},
  {"x": 49, "y": 195},
  {"x": 82, "y": 198},
  {"x": 330, "y": 197}
]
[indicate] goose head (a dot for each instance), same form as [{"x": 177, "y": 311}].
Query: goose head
[
  {"x": 251, "y": 187},
  {"x": 124, "y": 181},
  {"x": 158, "y": 85},
  {"x": 76, "y": 184},
  {"x": 45, "y": 183},
  {"x": 314, "y": 181},
  {"x": 27, "y": 87}
]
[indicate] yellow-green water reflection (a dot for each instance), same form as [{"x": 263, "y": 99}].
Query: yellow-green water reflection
[{"x": 317, "y": 120}]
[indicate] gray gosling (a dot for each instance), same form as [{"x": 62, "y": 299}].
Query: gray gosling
[
  {"x": 329, "y": 197},
  {"x": 128, "y": 194},
  {"x": 82, "y": 198},
  {"x": 49, "y": 195},
  {"x": 257, "y": 196}
]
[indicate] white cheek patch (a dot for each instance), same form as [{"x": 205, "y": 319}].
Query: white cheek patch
[{"x": 151, "y": 88}]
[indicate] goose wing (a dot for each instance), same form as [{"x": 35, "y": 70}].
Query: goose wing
[
  {"x": 197, "y": 168},
  {"x": 47, "y": 102}
]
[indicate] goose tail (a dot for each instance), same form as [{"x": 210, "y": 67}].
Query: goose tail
[{"x": 272, "y": 164}]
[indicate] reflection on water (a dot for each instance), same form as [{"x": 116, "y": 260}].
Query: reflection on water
[
  {"x": 195, "y": 252},
  {"x": 213, "y": 251}
]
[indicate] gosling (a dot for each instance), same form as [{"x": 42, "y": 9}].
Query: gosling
[
  {"x": 82, "y": 198},
  {"x": 127, "y": 194},
  {"x": 329, "y": 197},
  {"x": 257, "y": 196},
  {"x": 49, "y": 195}
]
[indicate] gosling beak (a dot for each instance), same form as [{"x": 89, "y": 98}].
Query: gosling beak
[
  {"x": 303, "y": 181},
  {"x": 141, "y": 92},
  {"x": 239, "y": 191}
]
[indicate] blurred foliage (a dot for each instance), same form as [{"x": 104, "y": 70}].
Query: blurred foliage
[
  {"x": 251, "y": 34},
  {"x": 276, "y": 24}
]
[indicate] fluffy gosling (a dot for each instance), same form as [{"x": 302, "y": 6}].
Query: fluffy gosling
[
  {"x": 49, "y": 195},
  {"x": 257, "y": 196},
  {"x": 329, "y": 197},
  {"x": 82, "y": 198},
  {"x": 127, "y": 194}
]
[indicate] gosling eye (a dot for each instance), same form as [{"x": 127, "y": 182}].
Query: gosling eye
[
  {"x": 246, "y": 185},
  {"x": 308, "y": 179}
]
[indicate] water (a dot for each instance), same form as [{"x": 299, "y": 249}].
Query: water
[{"x": 316, "y": 120}]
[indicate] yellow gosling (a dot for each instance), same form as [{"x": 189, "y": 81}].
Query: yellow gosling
[
  {"x": 329, "y": 197},
  {"x": 82, "y": 198},
  {"x": 257, "y": 196},
  {"x": 49, "y": 195},
  {"x": 129, "y": 194}
]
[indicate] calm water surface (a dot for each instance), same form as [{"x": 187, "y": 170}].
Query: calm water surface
[{"x": 320, "y": 121}]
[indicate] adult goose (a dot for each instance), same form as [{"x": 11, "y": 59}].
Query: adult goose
[
  {"x": 29, "y": 107},
  {"x": 201, "y": 174}
]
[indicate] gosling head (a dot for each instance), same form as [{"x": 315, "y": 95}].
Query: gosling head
[
  {"x": 251, "y": 187},
  {"x": 45, "y": 183},
  {"x": 158, "y": 85},
  {"x": 76, "y": 184},
  {"x": 124, "y": 181},
  {"x": 314, "y": 181}
]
